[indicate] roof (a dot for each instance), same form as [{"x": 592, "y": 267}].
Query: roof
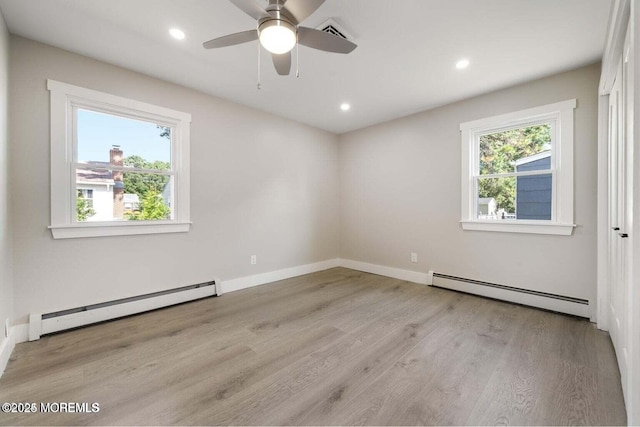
[
  {"x": 95, "y": 176},
  {"x": 485, "y": 200},
  {"x": 533, "y": 158}
]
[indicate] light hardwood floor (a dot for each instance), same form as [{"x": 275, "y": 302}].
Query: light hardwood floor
[{"x": 338, "y": 347}]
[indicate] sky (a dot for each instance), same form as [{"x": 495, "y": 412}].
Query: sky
[{"x": 98, "y": 132}]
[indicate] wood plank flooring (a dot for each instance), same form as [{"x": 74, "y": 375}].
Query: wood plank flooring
[{"x": 338, "y": 347}]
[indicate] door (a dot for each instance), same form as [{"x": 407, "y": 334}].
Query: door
[{"x": 618, "y": 225}]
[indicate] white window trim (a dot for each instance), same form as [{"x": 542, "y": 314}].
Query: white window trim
[
  {"x": 562, "y": 168},
  {"x": 64, "y": 98}
]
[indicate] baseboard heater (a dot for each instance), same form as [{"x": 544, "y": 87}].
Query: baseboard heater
[
  {"x": 545, "y": 300},
  {"x": 47, "y": 323}
]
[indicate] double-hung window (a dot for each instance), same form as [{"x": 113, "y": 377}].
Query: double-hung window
[
  {"x": 118, "y": 166},
  {"x": 518, "y": 171}
]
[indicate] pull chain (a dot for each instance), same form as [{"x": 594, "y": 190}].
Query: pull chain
[
  {"x": 258, "y": 85},
  {"x": 297, "y": 56}
]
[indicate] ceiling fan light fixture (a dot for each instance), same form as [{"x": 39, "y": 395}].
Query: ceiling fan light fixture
[{"x": 277, "y": 36}]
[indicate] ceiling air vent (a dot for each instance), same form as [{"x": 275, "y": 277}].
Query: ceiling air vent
[{"x": 334, "y": 28}]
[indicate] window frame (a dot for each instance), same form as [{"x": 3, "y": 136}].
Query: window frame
[
  {"x": 560, "y": 115},
  {"x": 65, "y": 100}
]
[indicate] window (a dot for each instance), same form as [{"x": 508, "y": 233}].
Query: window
[
  {"x": 518, "y": 171},
  {"x": 118, "y": 166}
]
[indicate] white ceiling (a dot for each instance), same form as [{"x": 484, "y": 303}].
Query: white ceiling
[{"x": 404, "y": 63}]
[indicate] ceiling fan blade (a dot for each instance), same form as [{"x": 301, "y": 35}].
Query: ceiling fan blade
[
  {"x": 302, "y": 9},
  {"x": 251, "y": 8},
  {"x": 324, "y": 41},
  {"x": 231, "y": 39},
  {"x": 282, "y": 63}
]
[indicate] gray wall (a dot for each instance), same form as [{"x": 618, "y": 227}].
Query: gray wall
[
  {"x": 6, "y": 280},
  {"x": 400, "y": 193},
  {"x": 260, "y": 185}
]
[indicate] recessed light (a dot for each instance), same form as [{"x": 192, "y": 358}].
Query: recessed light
[
  {"x": 176, "y": 33},
  {"x": 462, "y": 64},
  {"x": 345, "y": 107}
]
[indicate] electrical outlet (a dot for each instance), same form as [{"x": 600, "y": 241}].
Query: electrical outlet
[
  {"x": 254, "y": 259},
  {"x": 414, "y": 257},
  {"x": 7, "y": 328}
]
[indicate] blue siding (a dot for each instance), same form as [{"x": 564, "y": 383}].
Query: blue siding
[{"x": 533, "y": 193}]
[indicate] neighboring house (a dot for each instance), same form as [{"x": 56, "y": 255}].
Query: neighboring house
[
  {"x": 131, "y": 203},
  {"x": 96, "y": 187},
  {"x": 487, "y": 208},
  {"x": 533, "y": 193},
  {"x": 103, "y": 189},
  {"x": 166, "y": 195}
]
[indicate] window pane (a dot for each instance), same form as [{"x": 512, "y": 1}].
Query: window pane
[
  {"x": 497, "y": 198},
  {"x": 526, "y": 148},
  {"x": 106, "y": 195},
  {"x": 84, "y": 204},
  {"x": 533, "y": 196},
  {"x": 522, "y": 197},
  {"x": 152, "y": 193},
  {"x": 108, "y": 139}
]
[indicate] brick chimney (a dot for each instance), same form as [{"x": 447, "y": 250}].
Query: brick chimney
[{"x": 116, "y": 159}]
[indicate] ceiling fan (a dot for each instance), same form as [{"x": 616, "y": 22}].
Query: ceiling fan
[{"x": 279, "y": 31}]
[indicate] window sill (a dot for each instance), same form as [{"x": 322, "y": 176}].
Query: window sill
[
  {"x": 115, "y": 229},
  {"x": 530, "y": 227}
]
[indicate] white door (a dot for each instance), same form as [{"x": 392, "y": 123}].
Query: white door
[
  {"x": 618, "y": 222},
  {"x": 631, "y": 246},
  {"x": 623, "y": 243}
]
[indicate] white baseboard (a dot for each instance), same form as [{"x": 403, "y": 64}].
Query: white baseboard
[
  {"x": 17, "y": 334},
  {"x": 273, "y": 276},
  {"x": 6, "y": 347},
  {"x": 40, "y": 326},
  {"x": 396, "y": 273},
  {"x": 545, "y": 302},
  {"x": 21, "y": 333}
]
